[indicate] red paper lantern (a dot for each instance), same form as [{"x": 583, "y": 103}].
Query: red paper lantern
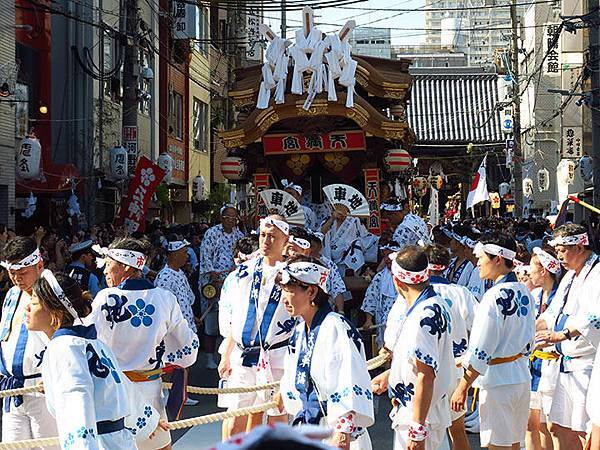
[
  {"x": 397, "y": 160},
  {"x": 233, "y": 168}
]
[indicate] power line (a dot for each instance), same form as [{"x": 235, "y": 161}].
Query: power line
[{"x": 460, "y": 8}]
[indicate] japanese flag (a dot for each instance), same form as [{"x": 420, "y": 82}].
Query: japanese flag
[{"x": 479, "y": 192}]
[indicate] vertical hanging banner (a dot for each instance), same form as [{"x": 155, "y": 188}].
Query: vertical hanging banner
[
  {"x": 130, "y": 142},
  {"x": 148, "y": 176},
  {"x": 261, "y": 182},
  {"x": 372, "y": 195}
]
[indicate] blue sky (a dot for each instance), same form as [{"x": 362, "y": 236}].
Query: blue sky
[{"x": 381, "y": 19}]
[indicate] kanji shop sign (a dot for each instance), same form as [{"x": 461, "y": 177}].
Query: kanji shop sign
[
  {"x": 130, "y": 142},
  {"x": 551, "y": 44},
  {"x": 372, "y": 194},
  {"x": 148, "y": 176},
  {"x": 572, "y": 139},
  {"x": 336, "y": 141}
]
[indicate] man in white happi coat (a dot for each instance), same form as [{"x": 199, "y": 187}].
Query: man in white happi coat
[
  {"x": 572, "y": 324},
  {"x": 295, "y": 190},
  {"x": 346, "y": 239},
  {"x": 259, "y": 328},
  {"x": 408, "y": 228},
  {"x": 144, "y": 327},
  {"x": 500, "y": 341},
  {"x": 216, "y": 262},
  {"x": 422, "y": 363},
  {"x": 22, "y": 351}
]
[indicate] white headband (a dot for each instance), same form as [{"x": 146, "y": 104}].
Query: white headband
[
  {"x": 320, "y": 236},
  {"x": 226, "y": 206},
  {"x": 494, "y": 249},
  {"x": 177, "y": 245},
  {"x": 582, "y": 239},
  {"x": 390, "y": 207},
  {"x": 287, "y": 185},
  {"x": 451, "y": 234},
  {"x": 302, "y": 243},
  {"x": 306, "y": 272},
  {"x": 392, "y": 247},
  {"x": 436, "y": 267},
  {"x": 28, "y": 261},
  {"x": 283, "y": 226},
  {"x": 548, "y": 262},
  {"x": 131, "y": 258},
  {"x": 406, "y": 276},
  {"x": 58, "y": 291}
]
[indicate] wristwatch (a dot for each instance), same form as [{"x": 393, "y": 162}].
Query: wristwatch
[{"x": 567, "y": 333}]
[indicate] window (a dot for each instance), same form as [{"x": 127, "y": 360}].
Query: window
[
  {"x": 176, "y": 115},
  {"x": 200, "y": 126},
  {"x": 203, "y": 30}
]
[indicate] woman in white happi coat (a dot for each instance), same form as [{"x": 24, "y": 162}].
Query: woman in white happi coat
[
  {"x": 499, "y": 345},
  {"x": 146, "y": 330},
  {"x": 325, "y": 379},
  {"x": 545, "y": 271},
  {"x": 335, "y": 283},
  {"x": 460, "y": 268},
  {"x": 257, "y": 327},
  {"x": 422, "y": 363},
  {"x": 381, "y": 294},
  {"x": 572, "y": 325},
  {"x": 21, "y": 350},
  {"x": 85, "y": 389}
]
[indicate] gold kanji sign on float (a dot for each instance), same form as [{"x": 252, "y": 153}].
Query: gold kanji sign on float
[{"x": 336, "y": 141}]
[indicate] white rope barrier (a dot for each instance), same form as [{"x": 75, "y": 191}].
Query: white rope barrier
[
  {"x": 371, "y": 364},
  {"x": 178, "y": 424}
]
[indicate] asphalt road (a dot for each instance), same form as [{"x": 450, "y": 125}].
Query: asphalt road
[{"x": 202, "y": 437}]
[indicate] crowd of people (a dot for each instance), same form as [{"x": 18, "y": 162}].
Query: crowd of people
[{"x": 499, "y": 313}]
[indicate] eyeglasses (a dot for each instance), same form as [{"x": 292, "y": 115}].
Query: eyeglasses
[{"x": 230, "y": 217}]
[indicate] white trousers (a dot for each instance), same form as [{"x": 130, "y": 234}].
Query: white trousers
[{"x": 31, "y": 420}]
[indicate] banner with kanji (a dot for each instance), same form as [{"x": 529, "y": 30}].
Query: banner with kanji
[
  {"x": 261, "y": 182},
  {"x": 336, "y": 141},
  {"x": 148, "y": 176},
  {"x": 372, "y": 194}
]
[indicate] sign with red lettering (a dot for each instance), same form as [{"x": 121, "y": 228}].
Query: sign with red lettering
[
  {"x": 372, "y": 196},
  {"x": 336, "y": 141},
  {"x": 148, "y": 176},
  {"x": 261, "y": 182}
]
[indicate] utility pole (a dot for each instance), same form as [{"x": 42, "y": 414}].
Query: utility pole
[
  {"x": 516, "y": 101},
  {"x": 131, "y": 72},
  {"x": 594, "y": 67},
  {"x": 283, "y": 19}
]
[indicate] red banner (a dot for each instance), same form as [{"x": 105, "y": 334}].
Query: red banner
[
  {"x": 148, "y": 176},
  {"x": 336, "y": 141},
  {"x": 372, "y": 195},
  {"x": 261, "y": 182}
]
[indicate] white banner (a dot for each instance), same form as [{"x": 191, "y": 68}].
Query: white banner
[
  {"x": 185, "y": 20},
  {"x": 572, "y": 142}
]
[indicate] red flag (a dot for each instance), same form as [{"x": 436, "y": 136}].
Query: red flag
[{"x": 148, "y": 176}]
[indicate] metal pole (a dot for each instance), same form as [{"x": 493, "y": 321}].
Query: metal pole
[
  {"x": 283, "y": 19},
  {"x": 131, "y": 69},
  {"x": 516, "y": 100},
  {"x": 595, "y": 71}
]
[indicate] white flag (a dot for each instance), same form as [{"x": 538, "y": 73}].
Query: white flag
[
  {"x": 434, "y": 207},
  {"x": 479, "y": 192}
]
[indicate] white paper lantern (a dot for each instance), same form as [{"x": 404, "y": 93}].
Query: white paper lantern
[
  {"x": 198, "y": 191},
  {"x": 420, "y": 186},
  {"x": 586, "y": 168},
  {"x": 397, "y": 160},
  {"x": 165, "y": 162},
  {"x": 503, "y": 189},
  {"x": 566, "y": 171},
  {"x": 527, "y": 187},
  {"x": 543, "y": 180},
  {"x": 118, "y": 163},
  {"x": 28, "y": 159},
  {"x": 233, "y": 168}
]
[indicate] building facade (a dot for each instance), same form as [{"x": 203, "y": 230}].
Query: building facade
[{"x": 369, "y": 41}]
